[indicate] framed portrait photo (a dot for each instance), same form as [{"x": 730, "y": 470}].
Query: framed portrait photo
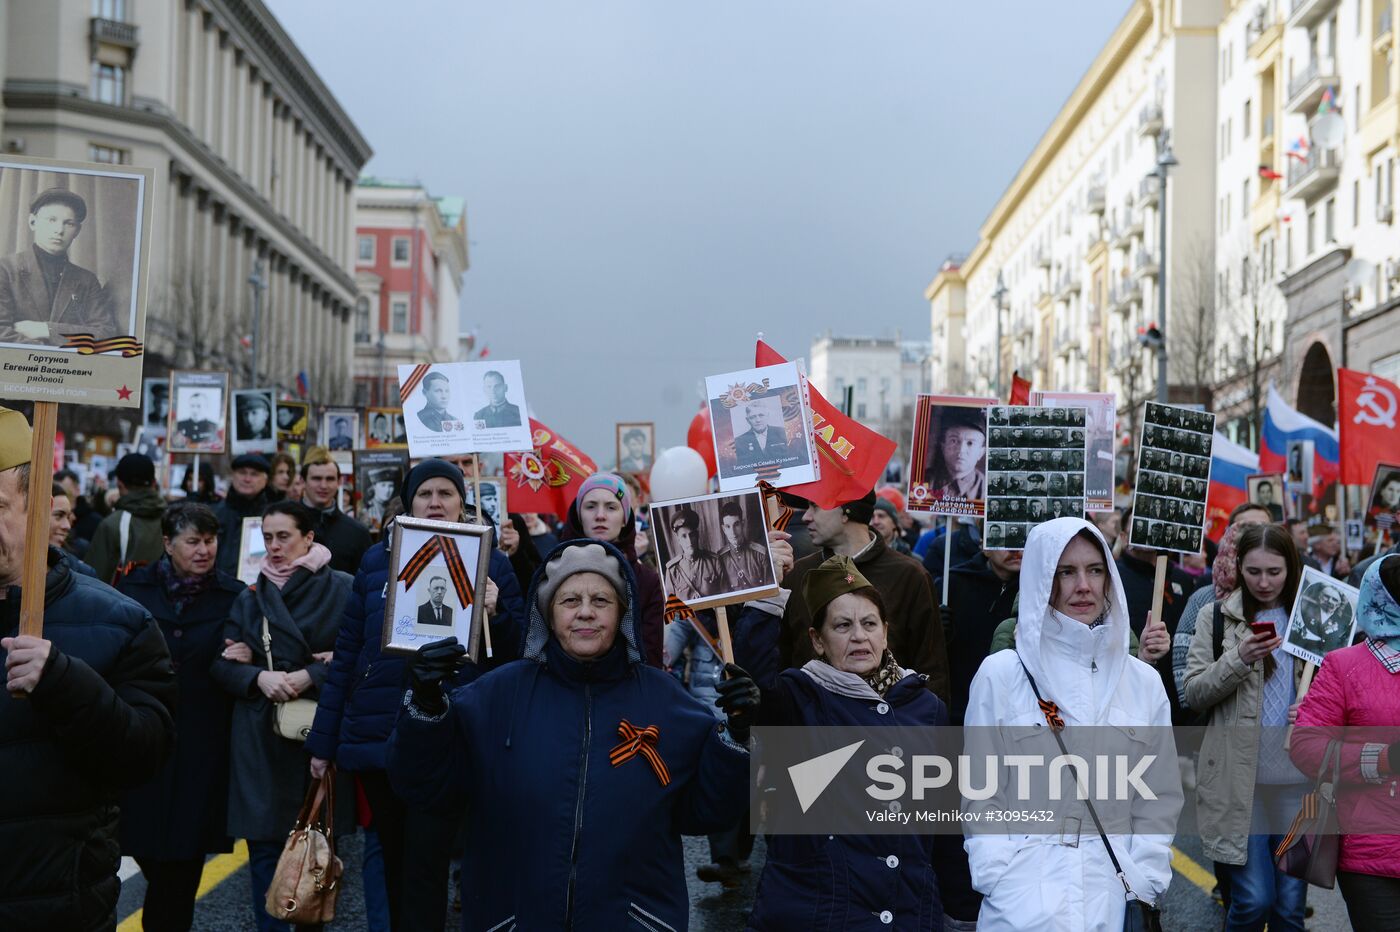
[
  {"x": 384, "y": 428},
  {"x": 292, "y": 418},
  {"x": 340, "y": 430},
  {"x": 1299, "y": 456},
  {"x": 713, "y": 549},
  {"x": 948, "y": 456},
  {"x": 1268, "y": 491},
  {"x": 155, "y": 407},
  {"x": 436, "y": 570},
  {"x": 762, "y": 427},
  {"x": 378, "y": 477},
  {"x": 253, "y": 422},
  {"x": 464, "y": 407},
  {"x": 493, "y": 499},
  {"x": 1384, "y": 503},
  {"x": 1323, "y": 617},
  {"x": 74, "y": 249},
  {"x": 198, "y": 412},
  {"x": 636, "y": 446}
]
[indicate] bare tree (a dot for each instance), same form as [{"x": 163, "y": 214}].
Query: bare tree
[
  {"x": 1250, "y": 304},
  {"x": 1191, "y": 322}
]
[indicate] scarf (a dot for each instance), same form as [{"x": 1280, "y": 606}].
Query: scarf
[
  {"x": 1223, "y": 571},
  {"x": 315, "y": 558},
  {"x": 852, "y": 685},
  {"x": 182, "y": 590},
  {"x": 1377, "y": 611},
  {"x": 885, "y": 675}
]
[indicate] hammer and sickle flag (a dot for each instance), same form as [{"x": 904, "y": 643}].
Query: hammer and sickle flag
[{"x": 456, "y": 569}]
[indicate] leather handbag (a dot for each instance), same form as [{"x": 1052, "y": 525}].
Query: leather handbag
[
  {"x": 1309, "y": 851},
  {"x": 1138, "y": 914},
  {"x": 293, "y": 719},
  {"x": 307, "y": 880}
]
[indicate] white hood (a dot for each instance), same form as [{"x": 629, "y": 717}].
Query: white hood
[{"x": 1061, "y": 652}]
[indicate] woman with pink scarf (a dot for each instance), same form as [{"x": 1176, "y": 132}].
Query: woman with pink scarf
[{"x": 302, "y": 600}]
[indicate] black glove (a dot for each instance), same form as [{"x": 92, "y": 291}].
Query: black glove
[
  {"x": 432, "y": 664},
  {"x": 738, "y": 697}
]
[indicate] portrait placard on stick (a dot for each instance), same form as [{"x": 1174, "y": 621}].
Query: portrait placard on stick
[
  {"x": 340, "y": 430},
  {"x": 198, "y": 412},
  {"x": 1173, "y": 476},
  {"x": 948, "y": 455},
  {"x": 1100, "y": 427},
  {"x": 493, "y": 496},
  {"x": 1384, "y": 509},
  {"x": 1267, "y": 490},
  {"x": 253, "y": 422},
  {"x": 464, "y": 407},
  {"x": 1035, "y": 470},
  {"x": 384, "y": 428},
  {"x": 379, "y": 476},
  {"x": 636, "y": 446},
  {"x": 713, "y": 549},
  {"x": 155, "y": 407},
  {"x": 292, "y": 418},
  {"x": 437, "y": 575},
  {"x": 762, "y": 427},
  {"x": 1323, "y": 617}
]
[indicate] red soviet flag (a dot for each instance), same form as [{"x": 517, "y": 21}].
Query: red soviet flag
[
  {"x": 853, "y": 457},
  {"x": 1366, "y": 416},
  {"x": 1020, "y": 390},
  {"x": 546, "y": 479}
]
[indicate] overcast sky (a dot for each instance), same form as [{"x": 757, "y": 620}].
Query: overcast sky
[{"x": 651, "y": 182}]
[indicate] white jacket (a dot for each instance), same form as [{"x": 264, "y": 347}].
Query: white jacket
[{"x": 1043, "y": 881}]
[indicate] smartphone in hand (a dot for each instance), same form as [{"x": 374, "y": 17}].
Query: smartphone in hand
[{"x": 1265, "y": 628}]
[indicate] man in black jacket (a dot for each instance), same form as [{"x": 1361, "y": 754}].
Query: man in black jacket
[
  {"x": 247, "y": 497},
  {"x": 981, "y": 595},
  {"x": 94, "y": 717},
  {"x": 346, "y": 538}
]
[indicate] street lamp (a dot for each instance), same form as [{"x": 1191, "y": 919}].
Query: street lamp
[
  {"x": 259, "y": 286},
  {"x": 999, "y": 300},
  {"x": 1165, "y": 162}
]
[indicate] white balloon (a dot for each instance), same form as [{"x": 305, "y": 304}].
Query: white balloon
[{"x": 679, "y": 472}]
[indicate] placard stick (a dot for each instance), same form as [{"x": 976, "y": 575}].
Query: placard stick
[
  {"x": 1308, "y": 671},
  {"x": 1342, "y": 517},
  {"x": 726, "y": 642},
  {"x": 1159, "y": 586},
  {"x": 947, "y": 558},
  {"x": 194, "y": 478},
  {"x": 476, "y": 503},
  {"x": 36, "y": 524}
]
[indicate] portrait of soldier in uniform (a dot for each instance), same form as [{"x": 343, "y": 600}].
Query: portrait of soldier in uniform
[
  {"x": 746, "y": 565},
  {"x": 762, "y": 442},
  {"x": 694, "y": 573},
  {"x": 197, "y": 426},
  {"x": 437, "y": 393},
  {"x": 498, "y": 412}
]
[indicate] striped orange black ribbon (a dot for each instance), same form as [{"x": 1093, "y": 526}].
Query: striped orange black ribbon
[
  {"x": 640, "y": 741},
  {"x": 456, "y": 569},
  {"x": 676, "y": 610},
  {"x": 768, "y": 473},
  {"x": 1306, "y": 814},
  {"x": 412, "y": 381},
  {"x": 1052, "y": 714},
  {"x": 783, "y": 514},
  {"x": 88, "y": 345}
]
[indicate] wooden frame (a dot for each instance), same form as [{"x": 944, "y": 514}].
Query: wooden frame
[
  {"x": 625, "y": 461},
  {"x": 202, "y": 428},
  {"x": 412, "y": 540}
]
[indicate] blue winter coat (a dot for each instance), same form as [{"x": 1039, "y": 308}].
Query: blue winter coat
[
  {"x": 836, "y": 883},
  {"x": 364, "y": 688},
  {"x": 560, "y": 837}
]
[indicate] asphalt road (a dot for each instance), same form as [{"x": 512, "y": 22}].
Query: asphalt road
[{"x": 226, "y": 906}]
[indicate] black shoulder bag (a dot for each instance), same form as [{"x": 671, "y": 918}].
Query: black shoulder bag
[{"x": 1140, "y": 915}]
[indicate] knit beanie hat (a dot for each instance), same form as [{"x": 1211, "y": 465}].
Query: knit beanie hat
[
  {"x": 885, "y": 505},
  {"x": 862, "y": 509},
  {"x": 835, "y": 577},
  {"x": 580, "y": 558},
  {"x": 615, "y": 486},
  {"x": 430, "y": 469}
]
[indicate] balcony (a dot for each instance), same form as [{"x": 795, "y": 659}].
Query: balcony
[
  {"x": 1042, "y": 258},
  {"x": 1147, "y": 192},
  {"x": 1150, "y": 119},
  {"x": 1095, "y": 201},
  {"x": 1264, "y": 27},
  {"x": 1123, "y": 295},
  {"x": 1306, "y": 88},
  {"x": 1304, "y": 14},
  {"x": 1145, "y": 265},
  {"x": 113, "y": 32},
  {"x": 1310, "y": 179},
  {"x": 1385, "y": 25},
  {"x": 1069, "y": 284}
]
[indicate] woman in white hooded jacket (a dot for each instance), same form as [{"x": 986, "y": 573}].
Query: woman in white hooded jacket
[{"x": 1072, "y": 637}]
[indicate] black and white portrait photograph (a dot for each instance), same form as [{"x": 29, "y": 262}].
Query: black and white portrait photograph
[
  {"x": 1035, "y": 469},
  {"x": 762, "y": 426},
  {"x": 378, "y": 476},
  {"x": 1323, "y": 618},
  {"x": 384, "y": 427},
  {"x": 1267, "y": 490},
  {"x": 493, "y": 497},
  {"x": 292, "y": 421},
  {"x": 155, "y": 406},
  {"x": 1173, "y": 477},
  {"x": 1298, "y": 457},
  {"x": 713, "y": 550},
  {"x": 1100, "y": 426},
  {"x": 198, "y": 413},
  {"x": 73, "y": 251},
  {"x": 340, "y": 429},
  {"x": 437, "y": 569},
  {"x": 636, "y": 446},
  {"x": 253, "y": 430},
  {"x": 464, "y": 407},
  {"x": 1385, "y": 494},
  {"x": 948, "y": 462}
]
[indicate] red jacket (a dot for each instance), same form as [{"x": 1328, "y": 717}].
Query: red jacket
[{"x": 1353, "y": 689}]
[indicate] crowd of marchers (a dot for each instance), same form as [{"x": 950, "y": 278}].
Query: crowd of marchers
[{"x": 549, "y": 785}]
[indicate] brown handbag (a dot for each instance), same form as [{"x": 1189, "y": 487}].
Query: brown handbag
[
  {"x": 307, "y": 880},
  {"x": 1311, "y": 848}
]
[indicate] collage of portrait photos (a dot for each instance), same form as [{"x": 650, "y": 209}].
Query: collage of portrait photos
[
  {"x": 1173, "y": 476},
  {"x": 1035, "y": 470}
]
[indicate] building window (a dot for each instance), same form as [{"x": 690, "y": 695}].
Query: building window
[
  {"x": 362, "y": 320},
  {"x": 366, "y": 246},
  {"x": 1329, "y": 221},
  {"x": 1244, "y": 200},
  {"x": 401, "y": 246},
  {"x": 1356, "y": 203},
  {"x": 840, "y": 389},
  {"x": 908, "y": 388},
  {"x": 109, "y": 9},
  {"x": 1244, "y": 130},
  {"x": 362, "y": 393},
  {"x": 108, "y": 155},
  {"x": 860, "y": 411},
  {"x": 1312, "y": 232},
  {"x": 860, "y": 386},
  {"x": 108, "y": 84},
  {"x": 398, "y": 315}
]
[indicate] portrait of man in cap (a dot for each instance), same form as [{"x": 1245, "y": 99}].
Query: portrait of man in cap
[
  {"x": 956, "y": 467},
  {"x": 254, "y": 416},
  {"x": 694, "y": 572},
  {"x": 382, "y": 486},
  {"x": 437, "y": 394},
  {"x": 44, "y": 296},
  {"x": 498, "y": 412}
]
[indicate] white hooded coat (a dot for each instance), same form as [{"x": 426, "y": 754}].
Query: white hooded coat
[{"x": 1050, "y": 881}]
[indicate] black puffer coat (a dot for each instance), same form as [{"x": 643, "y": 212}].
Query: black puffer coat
[{"x": 98, "y": 722}]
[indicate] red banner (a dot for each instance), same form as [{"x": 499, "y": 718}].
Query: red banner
[
  {"x": 1367, "y": 409},
  {"x": 853, "y": 457},
  {"x": 546, "y": 479},
  {"x": 1020, "y": 390}
]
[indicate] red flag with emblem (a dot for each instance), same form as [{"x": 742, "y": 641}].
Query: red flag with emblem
[
  {"x": 1366, "y": 420},
  {"x": 546, "y": 479},
  {"x": 853, "y": 456}
]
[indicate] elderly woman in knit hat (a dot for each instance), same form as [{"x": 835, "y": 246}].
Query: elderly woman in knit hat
[
  {"x": 581, "y": 765},
  {"x": 363, "y": 693},
  {"x": 854, "y": 680}
]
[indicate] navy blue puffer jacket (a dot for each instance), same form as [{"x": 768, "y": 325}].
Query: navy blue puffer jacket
[{"x": 364, "y": 689}]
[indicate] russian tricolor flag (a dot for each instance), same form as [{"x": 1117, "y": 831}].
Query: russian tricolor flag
[
  {"x": 1230, "y": 466},
  {"x": 1282, "y": 424}
]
